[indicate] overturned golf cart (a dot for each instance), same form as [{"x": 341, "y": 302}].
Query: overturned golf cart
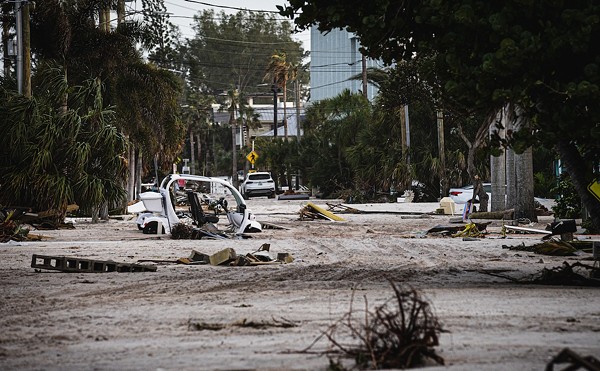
[{"x": 161, "y": 216}]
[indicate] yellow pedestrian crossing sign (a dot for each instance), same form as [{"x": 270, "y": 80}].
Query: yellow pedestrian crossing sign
[{"x": 252, "y": 157}]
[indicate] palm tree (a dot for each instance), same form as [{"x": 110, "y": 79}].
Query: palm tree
[
  {"x": 63, "y": 157},
  {"x": 278, "y": 71}
]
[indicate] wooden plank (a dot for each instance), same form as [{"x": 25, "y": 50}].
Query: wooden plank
[{"x": 524, "y": 229}]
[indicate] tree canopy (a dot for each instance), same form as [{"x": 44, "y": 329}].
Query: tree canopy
[
  {"x": 234, "y": 50},
  {"x": 539, "y": 56}
]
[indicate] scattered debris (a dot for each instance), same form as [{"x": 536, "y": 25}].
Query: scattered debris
[
  {"x": 456, "y": 229},
  {"x": 201, "y": 326},
  {"x": 422, "y": 216},
  {"x": 78, "y": 265},
  {"x": 223, "y": 257},
  {"x": 291, "y": 195},
  {"x": 564, "y": 275},
  {"x": 229, "y": 257},
  {"x": 470, "y": 230},
  {"x": 272, "y": 226},
  {"x": 182, "y": 231},
  {"x": 339, "y": 208},
  {"x": 575, "y": 361},
  {"x": 552, "y": 247},
  {"x": 12, "y": 229},
  {"x": 514, "y": 228},
  {"x": 564, "y": 228},
  {"x": 312, "y": 211}
]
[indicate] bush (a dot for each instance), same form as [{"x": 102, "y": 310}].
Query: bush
[{"x": 399, "y": 334}]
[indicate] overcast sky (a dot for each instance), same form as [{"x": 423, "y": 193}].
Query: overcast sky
[{"x": 182, "y": 12}]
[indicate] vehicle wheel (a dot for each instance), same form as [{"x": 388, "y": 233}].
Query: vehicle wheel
[
  {"x": 271, "y": 195},
  {"x": 246, "y": 196},
  {"x": 151, "y": 228}
]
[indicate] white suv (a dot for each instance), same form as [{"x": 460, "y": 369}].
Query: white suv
[{"x": 258, "y": 184}]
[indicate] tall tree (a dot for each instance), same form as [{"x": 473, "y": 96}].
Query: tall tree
[
  {"x": 278, "y": 72},
  {"x": 541, "y": 56},
  {"x": 72, "y": 156},
  {"x": 234, "y": 50}
]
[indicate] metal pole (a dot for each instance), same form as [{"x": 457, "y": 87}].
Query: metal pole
[
  {"x": 19, "y": 25},
  {"x": 274, "y": 109},
  {"x": 364, "y": 77}
]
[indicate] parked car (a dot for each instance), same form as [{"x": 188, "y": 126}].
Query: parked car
[
  {"x": 258, "y": 184},
  {"x": 464, "y": 194}
]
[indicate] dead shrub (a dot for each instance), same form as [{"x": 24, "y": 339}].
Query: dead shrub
[
  {"x": 181, "y": 231},
  {"x": 401, "y": 333}
]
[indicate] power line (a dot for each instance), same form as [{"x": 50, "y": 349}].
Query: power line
[{"x": 232, "y": 7}]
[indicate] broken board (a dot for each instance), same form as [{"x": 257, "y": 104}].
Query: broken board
[
  {"x": 327, "y": 214},
  {"x": 525, "y": 229}
]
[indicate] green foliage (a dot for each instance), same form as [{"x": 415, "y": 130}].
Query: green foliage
[
  {"x": 539, "y": 56},
  {"x": 568, "y": 202},
  {"x": 52, "y": 156},
  {"x": 144, "y": 98},
  {"x": 234, "y": 49}
]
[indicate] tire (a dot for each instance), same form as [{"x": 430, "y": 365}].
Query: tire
[
  {"x": 246, "y": 196},
  {"x": 271, "y": 195},
  {"x": 151, "y": 228}
]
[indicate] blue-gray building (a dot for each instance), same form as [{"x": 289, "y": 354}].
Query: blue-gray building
[{"x": 334, "y": 59}]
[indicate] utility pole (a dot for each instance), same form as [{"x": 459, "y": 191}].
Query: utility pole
[
  {"x": 274, "y": 88},
  {"x": 26, "y": 50},
  {"x": 364, "y": 76},
  {"x": 442, "y": 153},
  {"x": 297, "y": 108},
  {"x": 19, "y": 27}
]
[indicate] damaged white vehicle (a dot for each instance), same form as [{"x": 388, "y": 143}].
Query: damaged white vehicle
[{"x": 161, "y": 216}]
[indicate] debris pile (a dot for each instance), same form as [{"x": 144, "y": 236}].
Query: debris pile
[
  {"x": 464, "y": 230},
  {"x": 229, "y": 257},
  {"x": 551, "y": 247},
  {"x": 311, "y": 212}
]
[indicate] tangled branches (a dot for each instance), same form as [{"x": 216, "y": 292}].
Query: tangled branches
[{"x": 401, "y": 333}]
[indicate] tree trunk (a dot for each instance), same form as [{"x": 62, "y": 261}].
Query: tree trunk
[
  {"x": 498, "y": 173},
  {"x": 131, "y": 176},
  {"x": 523, "y": 172},
  {"x": 524, "y": 203},
  {"x": 199, "y": 155},
  {"x": 120, "y": 11},
  {"x": 581, "y": 175},
  {"x": 138, "y": 173},
  {"x": 511, "y": 181}
]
